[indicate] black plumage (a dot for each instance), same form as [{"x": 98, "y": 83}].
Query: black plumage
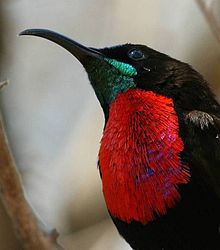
[{"x": 194, "y": 223}]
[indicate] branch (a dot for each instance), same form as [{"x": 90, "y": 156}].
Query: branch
[
  {"x": 206, "y": 8},
  {"x": 30, "y": 230}
]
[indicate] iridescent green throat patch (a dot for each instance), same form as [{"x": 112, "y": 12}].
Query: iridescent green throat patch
[{"x": 124, "y": 68}]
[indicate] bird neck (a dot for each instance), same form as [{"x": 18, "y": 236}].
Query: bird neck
[
  {"x": 108, "y": 80},
  {"x": 140, "y": 156}
]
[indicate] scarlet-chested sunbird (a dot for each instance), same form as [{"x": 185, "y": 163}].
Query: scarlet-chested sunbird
[{"x": 159, "y": 157}]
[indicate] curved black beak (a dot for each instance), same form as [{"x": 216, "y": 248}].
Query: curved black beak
[{"x": 78, "y": 50}]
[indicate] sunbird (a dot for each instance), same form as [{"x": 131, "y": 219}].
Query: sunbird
[{"x": 159, "y": 157}]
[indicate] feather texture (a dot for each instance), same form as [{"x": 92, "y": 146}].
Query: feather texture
[{"x": 140, "y": 156}]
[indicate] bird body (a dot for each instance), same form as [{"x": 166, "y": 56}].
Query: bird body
[
  {"x": 141, "y": 169},
  {"x": 159, "y": 156},
  {"x": 139, "y": 156}
]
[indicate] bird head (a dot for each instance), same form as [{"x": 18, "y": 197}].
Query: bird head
[{"x": 119, "y": 68}]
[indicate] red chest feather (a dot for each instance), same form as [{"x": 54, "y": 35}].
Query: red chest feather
[{"x": 140, "y": 156}]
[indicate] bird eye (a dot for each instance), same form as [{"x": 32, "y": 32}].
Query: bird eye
[{"x": 136, "y": 54}]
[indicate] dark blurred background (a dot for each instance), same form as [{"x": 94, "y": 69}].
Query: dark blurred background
[{"x": 52, "y": 117}]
